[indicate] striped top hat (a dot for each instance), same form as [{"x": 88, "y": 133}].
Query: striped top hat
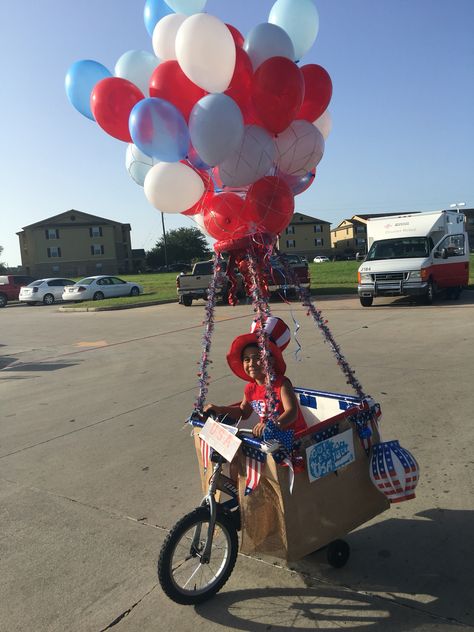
[{"x": 278, "y": 339}]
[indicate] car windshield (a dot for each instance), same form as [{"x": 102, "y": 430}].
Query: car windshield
[
  {"x": 86, "y": 281},
  {"x": 406, "y": 248}
]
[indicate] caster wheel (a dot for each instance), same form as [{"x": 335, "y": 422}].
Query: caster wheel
[{"x": 338, "y": 553}]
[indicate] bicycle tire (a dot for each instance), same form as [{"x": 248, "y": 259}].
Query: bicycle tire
[{"x": 225, "y": 541}]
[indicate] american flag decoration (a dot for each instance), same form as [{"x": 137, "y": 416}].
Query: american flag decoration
[
  {"x": 322, "y": 435},
  {"x": 205, "y": 454},
  {"x": 394, "y": 471},
  {"x": 254, "y": 459},
  {"x": 363, "y": 421},
  {"x": 284, "y": 437}
]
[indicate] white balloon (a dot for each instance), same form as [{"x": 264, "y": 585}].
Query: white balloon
[
  {"x": 137, "y": 66},
  {"x": 299, "y": 148},
  {"x": 324, "y": 123},
  {"x": 252, "y": 160},
  {"x": 172, "y": 187},
  {"x": 205, "y": 50},
  {"x": 164, "y": 35},
  {"x": 138, "y": 164}
]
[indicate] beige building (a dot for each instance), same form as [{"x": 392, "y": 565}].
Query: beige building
[
  {"x": 74, "y": 244},
  {"x": 306, "y": 236},
  {"x": 350, "y": 236}
]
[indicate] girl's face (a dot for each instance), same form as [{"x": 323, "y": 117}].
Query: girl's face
[{"x": 252, "y": 363}]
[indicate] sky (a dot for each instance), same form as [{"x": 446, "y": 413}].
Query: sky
[{"x": 402, "y": 110}]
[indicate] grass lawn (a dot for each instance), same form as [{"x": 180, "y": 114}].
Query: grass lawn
[{"x": 335, "y": 277}]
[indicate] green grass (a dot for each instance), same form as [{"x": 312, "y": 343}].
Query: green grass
[{"x": 335, "y": 277}]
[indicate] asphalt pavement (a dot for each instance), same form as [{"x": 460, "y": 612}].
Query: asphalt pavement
[{"x": 96, "y": 467}]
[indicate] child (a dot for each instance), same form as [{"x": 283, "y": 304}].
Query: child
[{"x": 245, "y": 361}]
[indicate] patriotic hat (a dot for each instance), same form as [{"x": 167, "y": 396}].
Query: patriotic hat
[{"x": 278, "y": 339}]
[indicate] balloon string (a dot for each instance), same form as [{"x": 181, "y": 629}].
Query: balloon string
[
  {"x": 322, "y": 324},
  {"x": 203, "y": 374}
]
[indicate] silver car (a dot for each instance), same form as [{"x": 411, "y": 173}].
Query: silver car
[
  {"x": 96, "y": 288},
  {"x": 46, "y": 291}
]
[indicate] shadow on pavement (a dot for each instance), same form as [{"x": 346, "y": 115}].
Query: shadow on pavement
[
  {"x": 34, "y": 366},
  {"x": 403, "y": 572}
]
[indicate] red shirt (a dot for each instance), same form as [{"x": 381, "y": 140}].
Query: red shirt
[{"x": 255, "y": 395}]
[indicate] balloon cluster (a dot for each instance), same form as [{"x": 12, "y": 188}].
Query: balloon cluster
[{"x": 221, "y": 127}]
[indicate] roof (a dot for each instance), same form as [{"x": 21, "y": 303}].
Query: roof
[
  {"x": 80, "y": 218},
  {"x": 306, "y": 219}
]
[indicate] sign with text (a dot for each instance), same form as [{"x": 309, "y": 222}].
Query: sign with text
[
  {"x": 220, "y": 438},
  {"x": 330, "y": 455}
]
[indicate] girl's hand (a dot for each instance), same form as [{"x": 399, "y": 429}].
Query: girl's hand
[{"x": 258, "y": 429}]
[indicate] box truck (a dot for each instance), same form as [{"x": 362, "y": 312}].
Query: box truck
[{"x": 417, "y": 254}]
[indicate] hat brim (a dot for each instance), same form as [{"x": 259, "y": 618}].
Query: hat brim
[{"x": 234, "y": 357}]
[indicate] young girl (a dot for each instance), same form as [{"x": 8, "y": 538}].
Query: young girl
[{"x": 245, "y": 361}]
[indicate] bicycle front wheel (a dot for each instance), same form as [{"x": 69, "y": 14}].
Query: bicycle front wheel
[{"x": 181, "y": 573}]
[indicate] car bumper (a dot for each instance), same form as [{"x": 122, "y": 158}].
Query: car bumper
[{"x": 396, "y": 288}]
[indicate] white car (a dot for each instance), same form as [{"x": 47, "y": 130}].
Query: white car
[
  {"x": 96, "y": 288},
  {"x": 320, "y": 259},
  {"x": 46, "y": 291}
]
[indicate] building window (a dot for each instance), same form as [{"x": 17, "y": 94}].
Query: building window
[
  {"x": 347, "y": 231},
  {"x": 97, "y": 249},
  {"x": 290, "y": 230},
  {"x": 319, "y": 242},
  {"x": 290, "y": 243},
  {"x": 98, "y": 267},
  {"x": 54, "y": 251},
  {"x": 55, "y": 268},
  {"x": 318, "y": 228},
  {"x": 360, "y": 229},
  {"x": 95, "y": 231},
  {"x": 360, "y": 242},
  {"x": 51, "y": 233}
]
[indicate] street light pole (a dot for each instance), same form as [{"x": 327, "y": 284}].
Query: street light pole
[{"x": 457, "y": 205}]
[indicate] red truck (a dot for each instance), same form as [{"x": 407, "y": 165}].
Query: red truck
[
  {"x": 10, "y": 285},
  {"x": 282, "y": 283}
]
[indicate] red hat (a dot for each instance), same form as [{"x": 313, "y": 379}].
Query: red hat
[{"x": 278, "y": 339}]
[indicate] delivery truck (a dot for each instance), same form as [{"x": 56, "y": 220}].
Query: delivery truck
[{"x": 417, "y": 254}]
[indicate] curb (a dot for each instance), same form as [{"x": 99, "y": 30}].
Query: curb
[{"x": 113, "y": 308}]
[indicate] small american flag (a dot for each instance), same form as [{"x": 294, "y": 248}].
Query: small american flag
[
  {"x": 253, "y": 463},
  {"x": 205, "y": 454}
]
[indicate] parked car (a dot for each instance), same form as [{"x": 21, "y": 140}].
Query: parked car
[
  {"x": 193, "y": 286},
  {"x": 96, "y": 288},
  {"x": 279, "y": 281},
  {"x": 10, "y": 285},
  {"x": 320, "y": 259},
  {"x": 46, "y": 291}
]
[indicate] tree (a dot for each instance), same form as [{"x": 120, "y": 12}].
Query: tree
[
  {"x": 3, "y": 266},
  {"x": 182, "y": 245}
]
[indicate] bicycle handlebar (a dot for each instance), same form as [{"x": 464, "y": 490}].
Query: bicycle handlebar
[{"x": 199, "y": 419}]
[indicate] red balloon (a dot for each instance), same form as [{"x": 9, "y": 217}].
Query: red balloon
[
  {"x": 205, "y": 200},
  {"x": 222, "y": 219},
  {"x": 237, "y": 35},
  {"x": 318, "y": 92},
  {"x": 169, "y": 82},
  {"x": 269, "y": 205},
  {"x": 277, "y": 93},
  {"x": 241, "y": 83},
  {"x": 112, "y": 100}
]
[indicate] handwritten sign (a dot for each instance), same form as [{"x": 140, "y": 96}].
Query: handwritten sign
[
  {"x": 330, "y": 455},
  {"x": 220, "y": 438}
]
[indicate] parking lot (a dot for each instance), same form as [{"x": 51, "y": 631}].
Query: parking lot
[{"x": 96, "y": 466}]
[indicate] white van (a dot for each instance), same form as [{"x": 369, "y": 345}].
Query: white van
[{"x": 417, "y": 254}]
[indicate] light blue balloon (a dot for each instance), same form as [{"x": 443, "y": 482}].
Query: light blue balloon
[
  {"x": 216, "y": 127},
  {"x": 159, "y": 130},
  {"x": 300, "y": 19},
  {"x": 153, "y": 12},
  {"x": 81, "y": 78},
  {"x": 188, "y": 7},
  {"x": 268, "y": 40},
  {"x": 137, "y": 66}
]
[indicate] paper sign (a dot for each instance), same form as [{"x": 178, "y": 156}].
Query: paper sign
[
  {"x": 221, "y": 439},
  {"x": 330, "y": 455}
]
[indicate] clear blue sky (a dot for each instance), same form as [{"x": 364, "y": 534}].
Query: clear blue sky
[{"x": 402, "y": 108}]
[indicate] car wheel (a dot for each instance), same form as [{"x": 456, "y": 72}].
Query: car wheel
[
  {"x": 134, "y": 291},
  {"x": 430, "y": 292},
  {"x": 3, "y": 300},
  {"x": 366, "y": 301},
  {"x": 48, "y": 299},
  {"x": 187, "y": 301},
  {"x": 98, "y": 296}
]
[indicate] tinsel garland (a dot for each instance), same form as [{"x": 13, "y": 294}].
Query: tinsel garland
[
  {"x": 322, "y": 323},
  {"x": 262, "y": 312},
  {"x": 203, "y": 374}
]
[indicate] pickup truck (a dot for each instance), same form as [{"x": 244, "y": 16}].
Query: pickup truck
[
  {"x": 10, "y": 285},
  {"x": 279, "y": 281},
  {"x": 193, "y": 286}
]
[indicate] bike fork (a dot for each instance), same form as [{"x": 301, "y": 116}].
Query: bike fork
[{"x": 210, "y": 501}]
